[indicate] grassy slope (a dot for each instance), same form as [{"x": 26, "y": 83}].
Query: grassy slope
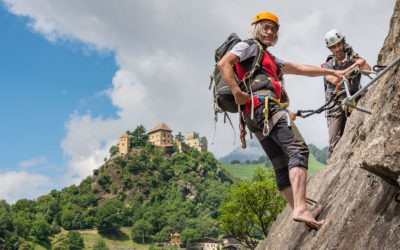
[
  {"x": 314, "y": 165},
  {"x": 245, "y": 171},
  {"x": 122, "y": 240}
]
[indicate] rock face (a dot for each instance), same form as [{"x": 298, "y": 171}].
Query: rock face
[
  {"x": 189, "y": 191},
  {"x": 359, "y": 186}
]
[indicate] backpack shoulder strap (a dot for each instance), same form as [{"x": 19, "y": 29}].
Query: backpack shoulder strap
[
  {"x": 258, "y": 58},
  {"x": 279, "y": 71},
  {"x": 331, "y": 59}
]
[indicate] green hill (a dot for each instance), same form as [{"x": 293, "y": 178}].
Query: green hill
[
  {"x": 151, "y": 193},
  {"x": 242, "y": 171},
  {"x": 245, "y": 171},
  {"x": 314, "y": 165}
]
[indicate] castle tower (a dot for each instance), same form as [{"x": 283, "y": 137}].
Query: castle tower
[
  {"x": 203, "y": 144},
  {"x": 124, "y": 143},
  {"x": 193, "y": 140},
  {"x": 161, "y": 135}
]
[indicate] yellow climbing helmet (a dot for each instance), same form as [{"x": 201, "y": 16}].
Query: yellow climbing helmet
[{"x": 265, "y": 16}]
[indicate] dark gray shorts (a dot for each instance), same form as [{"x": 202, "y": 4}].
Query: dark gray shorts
[{"x": 285, "y": 148}]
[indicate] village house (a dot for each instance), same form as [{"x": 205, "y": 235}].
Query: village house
[
  {"x": 208, "y": 244},
  {"x": 205, "y": 243},
  {"x": 231, "y": 243},
  {"x": 175, "y": 239}
]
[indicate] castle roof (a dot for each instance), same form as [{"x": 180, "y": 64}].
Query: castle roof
[
  {"x": 161, "y": 126},
  {"x": 124, "y": 135}
]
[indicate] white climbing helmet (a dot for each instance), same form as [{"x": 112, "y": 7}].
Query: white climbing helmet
[{"x": 333, "y": 37}]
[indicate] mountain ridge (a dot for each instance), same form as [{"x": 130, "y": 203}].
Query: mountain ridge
[{"x": 254, "y": 151}]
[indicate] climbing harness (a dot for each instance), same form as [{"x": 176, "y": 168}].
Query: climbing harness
[
  {"x": 268, "y": 98},
  {"x": 349, "y": 100}
]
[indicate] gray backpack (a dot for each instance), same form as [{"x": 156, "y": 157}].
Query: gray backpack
[{"x": 223, "y": 97}]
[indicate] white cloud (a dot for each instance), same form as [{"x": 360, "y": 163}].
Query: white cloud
[
  {"x": 33, "y": 162},
  {"x": 164, "y": 51},
  {"x": 18, "y": 185}
]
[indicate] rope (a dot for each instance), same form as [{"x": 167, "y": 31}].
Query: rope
[
  {"x": 334, "y": 98},
  {"x": 242, "y": 128}
]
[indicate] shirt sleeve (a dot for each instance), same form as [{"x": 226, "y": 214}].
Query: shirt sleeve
[
  {"x": 280, "y": 61},
  {"x": 327, "y": 65},
  {"x": 244, "y": 51}
]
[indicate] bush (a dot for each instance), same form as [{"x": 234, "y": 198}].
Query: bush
[
  {"x": 41, "y": 230},
  {"x": 75, "y": 240},
  {"x": 71, "y": 217},
  {"x": 120, "y": 161},
  {"x": 104, "y": 180},
  {"x": 55, "y": 228},
  {"x": 60, "y": 242},
  {"x": 190, "y": 235},
  {"x": 108, "y": 217},
  {"x": 114, "y": 150},
  {"x": 141, "y": 231},
  {"x": 121, "y": 196}
]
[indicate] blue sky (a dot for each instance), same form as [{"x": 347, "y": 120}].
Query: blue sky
[
  {"x": 77, "y": 74},
  {"x": 41, "y": 85}
]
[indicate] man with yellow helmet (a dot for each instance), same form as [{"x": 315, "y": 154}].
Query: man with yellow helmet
[
  {"x": 265, "y": 112},
  {"x": 343, "y": 57}
]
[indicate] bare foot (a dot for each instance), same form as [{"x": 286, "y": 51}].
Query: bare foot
[
  {"x": 315, "y": 213},
  {"x": 308, "y": 218}
]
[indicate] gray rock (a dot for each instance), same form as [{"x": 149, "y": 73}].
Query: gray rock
[{"x": 189, "y": 191}]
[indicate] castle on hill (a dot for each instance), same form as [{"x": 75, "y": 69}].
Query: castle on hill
[{"x": 161, "y": 136}]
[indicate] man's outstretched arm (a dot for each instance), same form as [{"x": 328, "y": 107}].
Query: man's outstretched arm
[
  {"x": 308, "y": 70},
  {"x": 358, "y": 62}
]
